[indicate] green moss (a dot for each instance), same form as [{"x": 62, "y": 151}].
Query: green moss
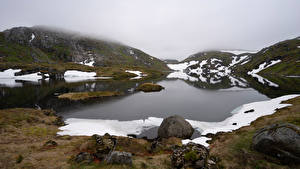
[{"x": 190, "y": 156}]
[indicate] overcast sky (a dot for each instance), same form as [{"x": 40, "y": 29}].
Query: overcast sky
[{"x": 165, "y": 28}]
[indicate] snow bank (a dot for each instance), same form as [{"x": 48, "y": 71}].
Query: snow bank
[
  {"x": 8, "y": 78},
  {"x": 77, "y": 76},
  {"x": 77, "y": 127},
  {"x": 261, "y": 108},
  {"x": 122, "y": 128}
]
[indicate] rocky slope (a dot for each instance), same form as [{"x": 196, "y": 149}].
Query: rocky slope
[
  {"x": 285, "y": 55},
  {"x": 47, "y": 45}
]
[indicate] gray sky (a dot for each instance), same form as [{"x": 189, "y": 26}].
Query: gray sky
[{"x": 165, "y": 28}]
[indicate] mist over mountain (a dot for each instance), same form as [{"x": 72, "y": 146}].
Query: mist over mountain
[{"x": 169, "y": 29}]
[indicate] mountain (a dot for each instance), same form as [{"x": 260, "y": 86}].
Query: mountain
[
  {"x": 282, "y": 58},
  {"x": 46, "y": 45}
]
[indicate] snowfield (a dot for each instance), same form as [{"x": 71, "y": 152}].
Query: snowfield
[{"x": 89, "y": 127}]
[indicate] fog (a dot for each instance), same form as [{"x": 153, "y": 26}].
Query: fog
[{"x": 170, "y": 29}]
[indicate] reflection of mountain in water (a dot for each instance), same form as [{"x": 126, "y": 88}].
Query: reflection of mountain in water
[
  {"x": 45, "y": 94},
  {"x": 210, "y": 77}
]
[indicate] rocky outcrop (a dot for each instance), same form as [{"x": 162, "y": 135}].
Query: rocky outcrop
[
  {"x": 175, "y": 126},
  {"x": 104, "y": 145},
  {"x": 117, "y": 157},
  {"x": 279, "y": 140},
  {"x": 191, "y": 155}
]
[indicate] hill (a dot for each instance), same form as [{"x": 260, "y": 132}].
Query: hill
[{"x": 47, "y": 45}]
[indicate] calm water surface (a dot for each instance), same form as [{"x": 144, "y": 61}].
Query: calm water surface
[
  {"x": 195, "y": 101},
  {"x": 177, "y": 98}
]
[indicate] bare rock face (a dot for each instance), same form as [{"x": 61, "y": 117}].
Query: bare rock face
[
  {"x": 279, "y": 140},
  {"x": 175, "y": 126}
]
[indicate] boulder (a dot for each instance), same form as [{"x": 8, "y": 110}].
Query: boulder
[
  {"x": 50, "y": 143},
  {"x": 104, "y": 145},
  {"x": 175, "y": 126},
  {"x": 191, "y": 155},
  {"x": 279, "y": 140},
  {"x": 84, "y": 157},
  {"x": 117, "y": 157}
]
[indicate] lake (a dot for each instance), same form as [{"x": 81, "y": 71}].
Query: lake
[{"x": 196, "y": 101}]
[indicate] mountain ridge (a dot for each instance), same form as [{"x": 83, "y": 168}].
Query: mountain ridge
[{"x": 40, "y": 44}]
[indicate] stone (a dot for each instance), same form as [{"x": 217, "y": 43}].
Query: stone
[
  {"x": 117, "y": 157},
  {"x": 50, "y": 143},
  {"x": 191, "y": 155},
  {"x": 175, "y": 126},
  {"x": 279, "y": 140},
  {"x": 84, "y": 157},
  {"x": 249, "y": 111},
  {"x": 104, "y": 145}
]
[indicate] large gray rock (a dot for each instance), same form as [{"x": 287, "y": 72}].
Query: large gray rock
[
  {"x": 175, "y": 126},
  {"x": 279, "y": 140},
  {"x": 117, "y": 157}
]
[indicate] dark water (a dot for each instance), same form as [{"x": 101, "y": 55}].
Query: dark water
[
  {"x": 177, "y": 98},
  {"x": 197, "y": 101}
]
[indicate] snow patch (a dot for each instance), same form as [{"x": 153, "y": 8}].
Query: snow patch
[
  {"x": 88, "y": 62},
  {"x": 263, "y": 66},
  {"x": 182, "y": 66},
  {"x": 138, "y": 74},
  {"x": 8, "y": 78},
  {"x": 77, "y": 76},
  {"x": 32, "y": 37},
  {"x": 261, "y": 108}
]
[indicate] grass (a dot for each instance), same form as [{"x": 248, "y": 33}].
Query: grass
[
  {"x": 149, "y": 87},
  {"x": 88, "y": 95},
  {"x": 234, "y": 148},
  {"x": 24, "y": 132}
]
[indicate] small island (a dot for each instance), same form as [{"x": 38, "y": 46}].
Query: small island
[
  {"x": 150, "y": 87},
  {"x": 88, "y": 95}
]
